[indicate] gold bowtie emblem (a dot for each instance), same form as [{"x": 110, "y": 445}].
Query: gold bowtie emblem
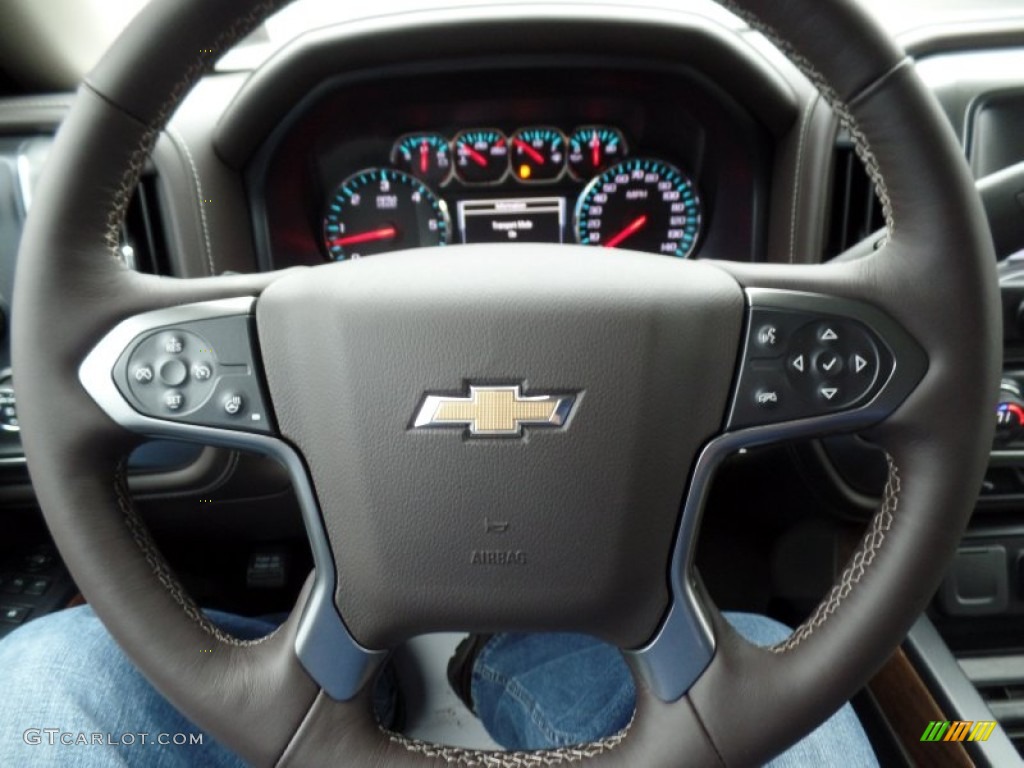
[{"x": 494, "y": 411}]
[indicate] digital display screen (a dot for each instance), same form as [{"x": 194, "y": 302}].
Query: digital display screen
[{"x": 525, "y": 220}]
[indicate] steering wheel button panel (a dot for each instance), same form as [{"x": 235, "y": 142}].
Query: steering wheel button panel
[
  {"x": 810, "y": 356},
  {"x": 206, "y": 371}
]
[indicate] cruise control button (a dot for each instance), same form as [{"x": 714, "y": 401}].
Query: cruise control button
[
  {"x": 173, "y": 373},
  {"x": 143, "y": 374},
  {"x": 233, "y": 405},
  {"x": 174, "y": 345},
  {"x": 202, "y": 372},
  {"x": 174, "y": 401}
]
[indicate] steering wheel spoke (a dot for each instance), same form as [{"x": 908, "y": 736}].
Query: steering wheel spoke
[
  {"x": 811, "y": 364},
  {"x": 192, "y": 372}
]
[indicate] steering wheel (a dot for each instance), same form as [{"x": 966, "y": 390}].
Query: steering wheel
[{"x": 492, "y": 438}]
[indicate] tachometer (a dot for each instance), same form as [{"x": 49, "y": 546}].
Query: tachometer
[
  {"x": 644, "y": 205},
  {"x": 380, "y": 210}
]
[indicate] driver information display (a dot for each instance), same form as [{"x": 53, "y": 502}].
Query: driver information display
[{"x": 527, "y": 220}]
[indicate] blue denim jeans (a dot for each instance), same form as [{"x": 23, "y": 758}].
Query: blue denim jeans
[
  {"x": 65, "y": 676},
  {"x": 536, "y": 691}
]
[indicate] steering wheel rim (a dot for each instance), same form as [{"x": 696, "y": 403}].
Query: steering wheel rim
[{"x": 275, "y": 711}]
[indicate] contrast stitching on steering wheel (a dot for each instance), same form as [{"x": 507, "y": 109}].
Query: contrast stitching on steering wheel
[
  {"x": 123, "y": 195},
  {"x": 160, "y": 567},
  {"x": 130, "y": 178},
  {"x": 840, "y": 107},
  {"x": 801, "y": 155},
  {"x": 858, "y": 565},
  {"x": 180, "y": 142},
  {"x": 477, "y": 758}
]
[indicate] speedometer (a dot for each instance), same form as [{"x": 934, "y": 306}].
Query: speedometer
[{"x": 643, "y": 205}]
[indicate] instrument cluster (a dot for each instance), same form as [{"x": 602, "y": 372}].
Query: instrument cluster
[{"x": 533, "y": 184}]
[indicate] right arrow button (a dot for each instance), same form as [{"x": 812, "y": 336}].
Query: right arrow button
[{"x": 860, "y": 364}]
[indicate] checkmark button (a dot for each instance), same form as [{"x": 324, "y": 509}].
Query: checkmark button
[{"x": 829, "y": 364}]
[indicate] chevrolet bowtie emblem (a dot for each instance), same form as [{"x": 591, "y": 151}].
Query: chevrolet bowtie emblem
[{"x": 494, "y": 411}]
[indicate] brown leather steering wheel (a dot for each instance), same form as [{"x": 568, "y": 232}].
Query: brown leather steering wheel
[{"x": 659, "y": 368}]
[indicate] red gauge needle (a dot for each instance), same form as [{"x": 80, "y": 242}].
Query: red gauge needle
[
  {"x": 536, "y": 156},
  {"x": 473, "y": 155},
  {"x": 424, "y": 149},
  {"x": 384, "y": 233},
  {"x": 634, "y": 226},
  {"x": 595, "y": 146}
]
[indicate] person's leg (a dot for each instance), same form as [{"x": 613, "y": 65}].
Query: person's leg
[
  {"x": 66, "y": 680},
  {"x": 543, "y": 691},
  {"x": 537, "y": 691}
]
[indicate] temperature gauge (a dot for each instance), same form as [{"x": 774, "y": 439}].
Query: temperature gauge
[
  {"x": 481, "y": 156},
  {"x": 426, "y": 156},
  {"x": 593, "y": 148},
  {"x": 538, "y": 154}
]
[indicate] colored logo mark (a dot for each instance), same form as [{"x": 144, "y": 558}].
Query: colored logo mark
[{"x": 959, "y": 730}]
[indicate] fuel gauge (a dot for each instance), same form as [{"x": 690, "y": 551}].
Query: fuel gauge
[
  {"x": 426, "y": 156},
  {"x": 593, "y": 148}
]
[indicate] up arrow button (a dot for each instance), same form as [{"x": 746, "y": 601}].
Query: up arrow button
[{"x": 829, "y": 335}]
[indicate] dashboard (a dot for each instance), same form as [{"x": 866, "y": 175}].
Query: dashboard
[{"x": 651, "y": 160}]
